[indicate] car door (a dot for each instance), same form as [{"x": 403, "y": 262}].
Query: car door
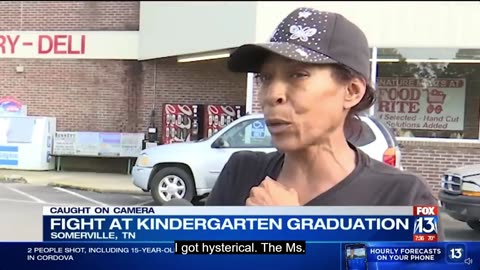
[{"x": 250, "y": 134}]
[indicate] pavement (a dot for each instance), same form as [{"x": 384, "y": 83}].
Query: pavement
[
  {"x": 88, "y": 181},
  {"x": 21, "y": 206}
]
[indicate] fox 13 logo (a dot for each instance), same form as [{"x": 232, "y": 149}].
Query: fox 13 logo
[{"x": 426, "y": 224}]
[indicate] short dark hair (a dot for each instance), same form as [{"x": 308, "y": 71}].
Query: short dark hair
[
  {"x": 353, "y": 127},
  {"x": 344, "y": 74}
]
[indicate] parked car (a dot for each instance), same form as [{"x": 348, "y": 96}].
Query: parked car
[
  {"x": 189, "y": 170},
  {"x": 460, "y": 195}
]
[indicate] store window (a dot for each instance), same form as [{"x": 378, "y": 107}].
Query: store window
[
  {"x": 252, "y": 133},
  {"x": 429, "y": 93}
]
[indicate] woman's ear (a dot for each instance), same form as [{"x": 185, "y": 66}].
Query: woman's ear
[{"x": 354, "y": 92}]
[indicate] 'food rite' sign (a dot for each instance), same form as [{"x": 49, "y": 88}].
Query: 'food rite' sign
[{"x": 409, "y": 103}]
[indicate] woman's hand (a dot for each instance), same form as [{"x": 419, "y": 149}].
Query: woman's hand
[{"x": 272, "y": 193}]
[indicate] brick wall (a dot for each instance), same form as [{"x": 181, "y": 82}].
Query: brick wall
[
  {"x": 104, "y": 95},
  {"x": 206, "y": 82},
  {"x": 432, "y": 159},
  {"x": 69, "y": 15},
  {"x": 84, "y": 95},
  {"x": 255, "y": 101},
  {"x": 94, "y": 95},
  {"x": 198, "y": 82}
]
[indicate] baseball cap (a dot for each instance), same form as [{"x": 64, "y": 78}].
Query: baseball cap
[{"x": 310, "y": 36}]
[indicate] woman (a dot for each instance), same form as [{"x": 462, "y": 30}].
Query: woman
[{"x": 314, "y": 79}]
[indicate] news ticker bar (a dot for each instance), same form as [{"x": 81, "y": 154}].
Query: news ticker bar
[
  {"x": 391, "y": 252},
  {"x": 240, "y": 247},
  {"x": 392, "y": 255},
  {"x": 229, "y": 210}
]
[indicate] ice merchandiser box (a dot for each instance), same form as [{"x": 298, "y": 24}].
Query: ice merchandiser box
[{"x": 26, "y": 142}]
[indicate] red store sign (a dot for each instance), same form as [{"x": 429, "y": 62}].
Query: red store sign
[
  {"x": 70, "y": 44},
  {"x": 44, "y": 44}
]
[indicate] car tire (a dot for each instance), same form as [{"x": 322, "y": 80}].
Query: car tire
[
  {"x": 474, "y": 224},
  {"x": 164, "y": 182}
]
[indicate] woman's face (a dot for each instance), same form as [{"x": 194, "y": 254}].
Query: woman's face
[{"x": 302, "y": 103}]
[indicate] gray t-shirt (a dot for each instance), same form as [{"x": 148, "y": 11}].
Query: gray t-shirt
[{"x": 371, "y": 183}]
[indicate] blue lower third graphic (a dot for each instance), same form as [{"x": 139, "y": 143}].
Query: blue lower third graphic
[{"x": 9, "y": 155}]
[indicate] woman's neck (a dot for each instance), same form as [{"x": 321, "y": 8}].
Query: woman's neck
[{"x": 324, "y": 164}]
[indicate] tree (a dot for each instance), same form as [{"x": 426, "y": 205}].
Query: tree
[{"x": 394, "y": 69}]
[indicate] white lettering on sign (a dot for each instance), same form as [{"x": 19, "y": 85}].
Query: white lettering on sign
[
  {"x": 70, "y": 44},
  {"x": 44, "y": 44},
  {"x": 408, "y": 103},
  {"x": 425, "y": 211}
]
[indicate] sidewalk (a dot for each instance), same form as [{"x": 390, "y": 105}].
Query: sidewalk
[{"x": 98, "y": 182}]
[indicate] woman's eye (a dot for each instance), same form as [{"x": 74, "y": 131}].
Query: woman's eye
[
  {"x": 262, "y": 77},
  {"x": 299, "y": 75}
]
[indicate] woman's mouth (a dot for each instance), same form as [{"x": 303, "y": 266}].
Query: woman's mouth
[{"x": 276, "y": 126}]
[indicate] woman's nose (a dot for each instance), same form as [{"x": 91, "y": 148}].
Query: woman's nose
[
  {"x": 275, "y": 94},
  {"x": 279, "y": 100}
]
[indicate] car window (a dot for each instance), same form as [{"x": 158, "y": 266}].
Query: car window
[
  {"x": 254, "y": 133},
  {"x": 359, "y": 133},
  {"x": 251, "y": 133}
]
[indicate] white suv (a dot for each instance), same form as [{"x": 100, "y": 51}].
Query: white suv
[
  {"x": 460, "y": 195},
  {"x": 190, "y": 170}
]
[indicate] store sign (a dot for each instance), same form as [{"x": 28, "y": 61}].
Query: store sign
[
  {"x": 11, "y": 106},
  {"x": 45, "y": 44},
  {"x": 411, "y": 103},
  {"x": 8, "y": 155},
  {"x": 98, "y": 144},
  {"x": 84, "y": 45}
]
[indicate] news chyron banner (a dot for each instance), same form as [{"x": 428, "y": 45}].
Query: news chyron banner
[{"x": 240, "y": 238}]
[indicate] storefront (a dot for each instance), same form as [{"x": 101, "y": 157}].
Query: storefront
[
  {"x": 425, "y": 65},
  {"x": 82, "y": 63},
  {"x": 426, "y": 70},
  {"x": 430, "y": 97}
]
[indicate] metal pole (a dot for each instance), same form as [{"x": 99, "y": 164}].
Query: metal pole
[
  {"x": 249, "y": 97},
  {"x": 373, "y": 77}
]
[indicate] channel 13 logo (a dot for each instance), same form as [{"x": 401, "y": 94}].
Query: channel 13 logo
[
  {"x": 456, "y": 253},
  {"x": 426, "y": 225}
]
